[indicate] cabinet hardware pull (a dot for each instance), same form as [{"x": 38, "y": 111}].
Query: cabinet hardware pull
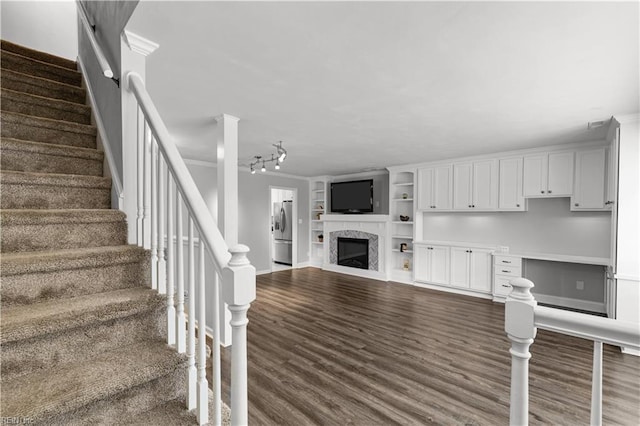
[
  {"x": 517, "y": 205},
  {"x": 506, "y": 261},
  {"x": 549, "y": 191},
  {"x": 473, "y": 205},
  {"x": 506, "y": 285},
  {"x": 469, "y": 205},
  {"x": 506, "y": 272},
  {"x": 542, "y": 192},
  {"x": 576, "y": 204}
]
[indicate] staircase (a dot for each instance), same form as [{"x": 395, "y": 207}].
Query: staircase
[{"x": 83, "y": 335}]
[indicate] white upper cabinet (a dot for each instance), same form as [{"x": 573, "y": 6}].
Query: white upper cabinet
[
  {"x": 434, "y": 188},
  {"x": 510, "y": 187},
  {"x": 475, "y": 185},
  {"x": 548, "y": 175},
  {"x": 590, "y": 175}
]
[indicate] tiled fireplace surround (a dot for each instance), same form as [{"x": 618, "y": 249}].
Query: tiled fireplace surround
[{"x": 366, "y": 226}]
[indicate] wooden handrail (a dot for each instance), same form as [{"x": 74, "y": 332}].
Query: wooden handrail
[{"x": 90, "y": 31}]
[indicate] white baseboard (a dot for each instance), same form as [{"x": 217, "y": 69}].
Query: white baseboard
[
  {"x": 630, "y": 351},
  {"x": 263, "y": 272},
  {"x": 363, "y": 273},
  {"x": 585, "y": 305},
  {"x": 453, "y": 290},
  {"x": 301, "y": 265}
]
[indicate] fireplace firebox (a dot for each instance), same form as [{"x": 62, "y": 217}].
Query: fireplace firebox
[{"x": 353, "y": 252}]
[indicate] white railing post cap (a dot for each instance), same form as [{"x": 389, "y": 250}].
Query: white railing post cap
[
  {"x": 519, "y": 310},
  {"x": 239, "y": 255}
]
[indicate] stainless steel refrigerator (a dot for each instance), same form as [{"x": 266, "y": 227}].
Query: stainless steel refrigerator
[{"x": 282, "y": 232}]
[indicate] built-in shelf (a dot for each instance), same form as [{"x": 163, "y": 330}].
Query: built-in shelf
[
  {"x": 404, "y": 184},
  {"x": 315, "y": 220},
  {"x": 318, "y": 190},
  {"x": 403, "y": 237},
  {"x": 317, "y": 242},
  {"x": 317, "y": 210},
  {"x": 398, "y": 251},
  {"x": 403, "y": 199},
  {"x": 317, "y": 201},
  {"x": 402, "y": 222}
]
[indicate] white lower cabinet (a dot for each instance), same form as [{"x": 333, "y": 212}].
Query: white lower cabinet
[
  {"x": 471, "y": 268},
  {"x": 431, "y": 264},
  {"x": 506, "y": 268}
]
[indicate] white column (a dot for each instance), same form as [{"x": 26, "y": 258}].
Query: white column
[
  {"x": 238, "y": 291},
  {"x": 521, "y": 330},
  {"x": 133, "y": 52},
  {"x": 227, "y": 208}
]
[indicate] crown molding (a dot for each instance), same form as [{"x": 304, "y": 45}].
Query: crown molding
[
  {"x": 139, "y": 44},
  {"x": 627, "y": 118},
  {"x": 222, "y": 117}
]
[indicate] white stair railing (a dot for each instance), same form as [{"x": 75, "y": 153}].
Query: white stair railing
[
  {"x": 171, "y": 188},
  {"x": 522, "y": 318}
]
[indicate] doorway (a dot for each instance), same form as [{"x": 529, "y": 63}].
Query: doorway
[{"x": 283, "y": 228}]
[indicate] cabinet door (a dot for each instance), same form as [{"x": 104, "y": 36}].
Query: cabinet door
[
  {"x": 534, "y": 183},
  {"x": 460, "y": 267},
  {"x": 590, "y": 180},
  {"x": 462, "y": 183},
  {"x": 439, "y": 273},
  {"x": 421, "y": 255},
  {"x": 560, "y": 181},
  {"x": 501, "y": 286},
  {"x": 480, "y": 270},
  {"x": 442, "y": 187},
  {"x": 510, "y": 192},
  {"x": 612, "y": 174},
  {"x": 485, "y": 185},
  {"x": 425, "y": 189}
]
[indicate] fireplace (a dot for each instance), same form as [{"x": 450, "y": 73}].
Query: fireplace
[{"x": 353, "y": 252}]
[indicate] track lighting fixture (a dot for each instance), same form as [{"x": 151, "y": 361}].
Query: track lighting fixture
[{"x": 278, "y": 158}]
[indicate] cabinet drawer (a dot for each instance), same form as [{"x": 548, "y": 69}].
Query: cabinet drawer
[
  {"x": 501, "y": 286},
  {"x": 507, "y": 261},
  {"x": 509, "y": 271}
]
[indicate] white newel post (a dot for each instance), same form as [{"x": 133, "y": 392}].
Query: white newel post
[
  {"x": 227, "y": 201},
  {"x": 521, "y": 330},
  {"x": 238, "y": 291},
  {"x": 133, "y": 53}
]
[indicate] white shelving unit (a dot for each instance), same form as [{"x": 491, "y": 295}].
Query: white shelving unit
[
  {"x": 317, "y": 207},
  {"x": 401, "y": 203}
]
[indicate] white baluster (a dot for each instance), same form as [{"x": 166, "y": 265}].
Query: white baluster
[
  {"x": 162, "y": 262},
  {"x": 180, "y": 318},
  {"x": 154, "y": 216},
  {"x": 146, "y": 206},
  {"x": 191, "y": 338},
  {"x": 216, "y": 364},
  {"x": 140, "y": 177},
  {"x": 203, "y": 397},
  {"x": 596, "y": 385},
  {"x": 171, "y": 310},
  {"x": 238, "y": 291},
  {"x": 521, "y": 330}
]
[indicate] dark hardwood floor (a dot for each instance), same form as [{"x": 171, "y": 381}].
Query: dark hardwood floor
[{"x": 331, "y": 349}]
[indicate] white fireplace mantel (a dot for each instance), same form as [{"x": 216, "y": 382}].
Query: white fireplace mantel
[
  {"x": 354, "y": 217},
  {"x": 377, "y": 224}
]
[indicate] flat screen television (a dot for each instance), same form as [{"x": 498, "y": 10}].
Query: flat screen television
[{"x": 352, "y": 197}]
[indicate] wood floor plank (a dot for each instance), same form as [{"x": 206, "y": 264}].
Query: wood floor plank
[{"x": 331, "y": 349}]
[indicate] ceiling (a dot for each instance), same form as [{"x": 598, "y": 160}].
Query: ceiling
[{"x": 355, "y": 86}]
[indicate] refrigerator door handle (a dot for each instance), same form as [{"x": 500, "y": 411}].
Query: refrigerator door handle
[{"x": 283, "y": 220}]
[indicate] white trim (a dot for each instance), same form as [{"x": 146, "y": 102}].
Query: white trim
[
  {"x": 585, "y": 305},
  {"x": 630, "y": 351},
  {"x": 139, "y": 44},
  {"x": 301, "y": 265},
  {"x": 455, "y": 290},
  {"x": 264, "y": 272},
  {"x": 362, "y": 273},
  {"x": 103, "y": 139},
  {"x": 371, "y": 173},
  {"x": 627, "y": 118},
  {"x": 626, "y": 278}
]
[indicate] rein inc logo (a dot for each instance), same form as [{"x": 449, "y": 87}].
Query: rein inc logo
[{"x": 18, "y": 420}]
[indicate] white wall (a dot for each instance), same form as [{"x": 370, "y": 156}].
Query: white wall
[
  {"x": 48, "y": 26},
  {"x": 548, "y": 227}
]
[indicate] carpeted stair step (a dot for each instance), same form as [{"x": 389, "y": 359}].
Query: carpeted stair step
[
  {"x": 38, "y": 157},
  {"x": 40, "y": 106},
  {"x": 38, "y": 129},
  {"x": 173, "y": 414},
  {"x": 33, "y": 277},
  {"x": 38, "y": 55},
  {"x": 47, "y": 334},
  {"x": 26, "y": 65},
  {"x": 26, "y": 190},
  {"x": 34, "y": 230},
  {"x": 41, "y": 86},
  {"x": 123, "y": 381}
]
